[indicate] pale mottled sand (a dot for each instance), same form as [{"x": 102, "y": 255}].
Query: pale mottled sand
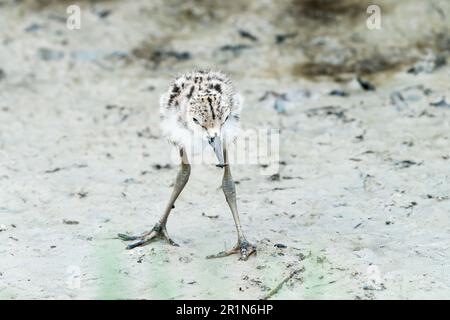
[{"x": 362, "y": 202}]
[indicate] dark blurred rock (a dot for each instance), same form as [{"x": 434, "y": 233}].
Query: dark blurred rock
[
  {"x": 159, "y": 166},
  {"x": 280, "y": 38},
  {"x": 366, "y": 85},
  {"x": 248, "y": 35},
  {"x": 104, "y": 13},
  {"x": 184, "y": 55},
  {"x": 404, "y": 164},
  {"x": 335, "y": 111},
  {"x": 159, "y": 53},
  {"x": 339, "y": 93},
  {"x": 440, "y": 104},
  {"x": 235, "y": 48},
  {"x": 50, "y": 54}
]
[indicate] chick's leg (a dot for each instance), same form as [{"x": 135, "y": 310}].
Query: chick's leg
[
  {"x": 160, "y": 230},
  {"x": 243, "y": 247}
]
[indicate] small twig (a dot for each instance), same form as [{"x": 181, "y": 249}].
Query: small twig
[{"x": 280, "y": 285}]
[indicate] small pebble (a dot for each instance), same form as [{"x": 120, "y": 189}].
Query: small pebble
[
  {"x": 70, "y": 221},
  {"x": 338, "y": 93},
  {"x": 248, "y": 35},
  {"x": 366, "y": 85},
  {"x": 440, "y": 104},
  {"x": 49, "y": 54},
  {"x": 104, "y": 13}
]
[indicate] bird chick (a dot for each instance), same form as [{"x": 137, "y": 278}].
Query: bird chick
[{"x": 200, "y": 105}]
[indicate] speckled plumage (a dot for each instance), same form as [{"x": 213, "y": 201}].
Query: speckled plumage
[{"x": 200, "y": 102}]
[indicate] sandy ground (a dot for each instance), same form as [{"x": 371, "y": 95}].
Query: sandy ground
[{"x": 359, "y": 210}]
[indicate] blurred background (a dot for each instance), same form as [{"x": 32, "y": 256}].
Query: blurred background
[
  {"x": 272, "y": 39},
  {"x": 359, "y": 207}
]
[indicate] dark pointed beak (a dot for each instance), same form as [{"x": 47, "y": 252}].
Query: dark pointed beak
[{"x": 216, "y": 144}]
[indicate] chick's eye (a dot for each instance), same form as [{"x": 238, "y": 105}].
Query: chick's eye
[{"x": 195, "y": 120}]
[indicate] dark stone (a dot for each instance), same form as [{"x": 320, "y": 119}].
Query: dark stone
[
  {"x": 366, "y": 85},
  {"x": 104, "y": 13},
  {"x": 280, "y": 38},
  {"x": 235, "y": 48},
  {"x": 440, "y": 104},
  {"x": 339, "y": 93},
  {"x": 248, "y": 35}
]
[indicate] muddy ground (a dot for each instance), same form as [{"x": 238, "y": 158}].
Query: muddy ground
[{"x": 358, "y": 210}]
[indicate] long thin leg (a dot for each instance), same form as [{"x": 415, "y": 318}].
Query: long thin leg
[
  {"x": 229, "y": 189},
  {"x": 160, "y": 230},
  {"x": 243, "y": 246},
  {"x": 180, "y": 182}
]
